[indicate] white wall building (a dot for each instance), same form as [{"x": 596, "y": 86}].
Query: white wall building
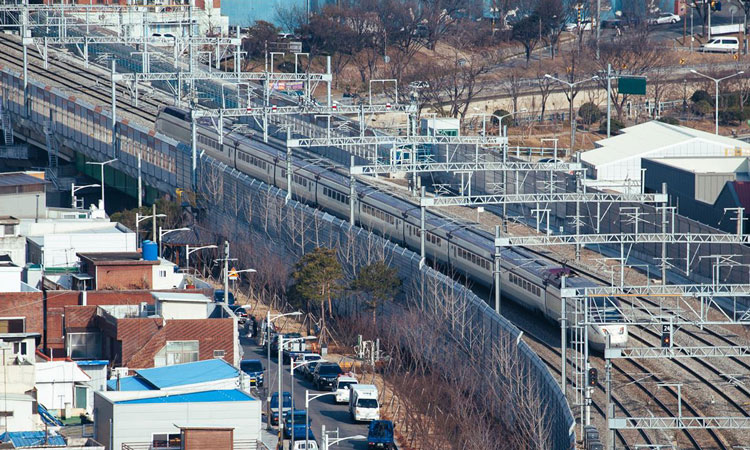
[
  {"x": 11, "y": 241},
  {"x": 10, "y": 275},
  {"x": 616, "y": 162},
  {"x": 59, "y": 386},
  {"x": 151, "y": 417},
  {"x": 181, "y": 305},
  {"x": 54, "y": 245},
  {"x": 17, "y": 379}
]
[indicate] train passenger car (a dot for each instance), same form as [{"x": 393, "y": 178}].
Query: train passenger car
[{"x": 525, "y": 279}]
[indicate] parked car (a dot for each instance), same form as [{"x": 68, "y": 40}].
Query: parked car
[
  {"x": 275, "y": 341},
  {"x": 549, "y": 160},
  {"x": 380, "y": 435},
  {"x": 240, "y": 312},
  {"x": 273, "y": 406},
  {"x": 304, "y": 357},
  {"x": 299, "y": 442},
  {"x": 299, "y": 423},
  {"x": 325, "y": 375},
  {"x": 254, "y": 369},
  {"x": 363, "y": 403},
  {"x": 343, "y": 385},
  {"x": 219, "y": 297},
  {"x": 664, "y": 18},
  {"x": 721, "y": 45},
  {"x": 308, "y": 370}
]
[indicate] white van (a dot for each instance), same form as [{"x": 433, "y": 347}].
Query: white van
[
  {"x": 363, "y": 402},
  {"x": 721, "y": 45},
  {"x": 343, "y": 386}
]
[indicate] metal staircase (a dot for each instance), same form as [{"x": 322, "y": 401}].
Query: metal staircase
[
  {"x": 52, "y": 157},
  {"x": 7, "y": 126}
]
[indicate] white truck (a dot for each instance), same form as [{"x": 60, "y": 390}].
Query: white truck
[
  {"x": 343, "y": 387},
  {"x": 363, "y": 402}
]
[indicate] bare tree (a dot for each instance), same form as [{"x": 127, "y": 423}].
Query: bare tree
[
  {"x": 454, "y": 78},
  {"x": 631, "y": 53}
]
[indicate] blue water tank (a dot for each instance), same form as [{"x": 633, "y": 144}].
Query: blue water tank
[{"x": 150, "y": 251}]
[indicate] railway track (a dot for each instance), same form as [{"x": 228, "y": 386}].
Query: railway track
[
  {"x": 552, "y": 365},
  {"x": 36, "y": 66},
  {"x": 150, "y": 117},
  {"x": 741, "y": 390}
]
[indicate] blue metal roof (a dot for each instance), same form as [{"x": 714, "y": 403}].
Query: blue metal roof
[
  {"x": 47, "y": 417},
  {"x": 21, "y": 439},
  {"x": 176, "y": 375},
  {"x": 233, "y": 395},
  {"x": 93, "y": 362},
  {"x": 130, "y": 384}
]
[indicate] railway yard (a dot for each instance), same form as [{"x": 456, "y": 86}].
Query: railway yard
[{"x": 665, "y": 385}]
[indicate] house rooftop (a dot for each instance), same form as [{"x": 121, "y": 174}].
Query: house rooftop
[
  {"x": 233, "y": 395},
  {"x": 9, "y": 220},
  {"x": 180, "y": 297},
  {"x": 21, "y": 439},
  {"x": 115, "y": 258},
  {"x": 19, "y": 179},
  {"x": 176, "y": 375}
]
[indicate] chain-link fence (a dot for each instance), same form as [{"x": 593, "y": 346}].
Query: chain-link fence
[{"x": 291, "y": 229}]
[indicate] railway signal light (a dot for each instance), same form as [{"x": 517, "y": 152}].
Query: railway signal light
[
  {"x": 593, "y": 377},
  {"x": 666, "y": 336}
]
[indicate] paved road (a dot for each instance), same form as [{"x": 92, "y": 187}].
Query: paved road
[{"x": 324, "y": 410}]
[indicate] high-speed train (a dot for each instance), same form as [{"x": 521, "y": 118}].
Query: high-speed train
[{"x": 525, "y": 279}]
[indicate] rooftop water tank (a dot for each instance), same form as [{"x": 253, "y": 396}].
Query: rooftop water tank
[{"x": 150, "y": 251}]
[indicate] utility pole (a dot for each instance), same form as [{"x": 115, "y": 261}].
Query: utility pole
[
  {"x": 226, "y": 277},
  {"x": 153, "y": 222},
  {"x": 598, "y": 28}
]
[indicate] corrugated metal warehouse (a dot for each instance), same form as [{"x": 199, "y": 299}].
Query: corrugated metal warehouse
[
  {"x": 702, "y": 188},
  {"x": 616, "y": 162}
]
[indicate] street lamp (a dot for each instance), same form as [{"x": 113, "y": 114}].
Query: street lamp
[
  {"x": 280, "y": 362},
  {"x": 308, "y": 399},
  {"x": 102, "y": 164},
  {"x": 293, "y": 365},
  {"x": 269, "y": 321},
  {"x": 500, "y": 119},
  {"x": 163, "y": 233},
  {"x": 570, "y": 111},
  {"x": 74, "y": 189},
  {"x": 140, "y": 218},
  {"x": 716, "y": 82},
  {"x": 188, "y": 251},
  {"x": 326, "y": 442}
]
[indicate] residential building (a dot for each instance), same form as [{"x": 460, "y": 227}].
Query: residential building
[
  {"x": 10, "y": 275},
  {"x": 96, "y": 370},
  {"x": 138, "y": 336},
  {"x": 159, "y": 16},
  {"x": 193, "y": 377},
  {"x": 23, "y": 194},
  {"x": 616, "y": 162},
  {"x": 62, "y": 387},
  {"x": 18, "y": 399},
  {"x": 55, "y": 247},
  {"x": 165, "y": 419},
  {"x": 11, "y": 241},
  {"x": 117, "y": 270}
]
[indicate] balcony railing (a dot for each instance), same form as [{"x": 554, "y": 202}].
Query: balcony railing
[{"x": 238, "y": 445}]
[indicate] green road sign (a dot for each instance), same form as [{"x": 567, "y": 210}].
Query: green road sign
[{"x": 632, "y": 85}]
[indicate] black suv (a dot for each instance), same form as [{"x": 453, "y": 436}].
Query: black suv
[{"x": 325, "y": 376}]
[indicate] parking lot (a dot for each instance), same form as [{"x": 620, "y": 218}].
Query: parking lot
[{"x": 323, "y": 410}]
